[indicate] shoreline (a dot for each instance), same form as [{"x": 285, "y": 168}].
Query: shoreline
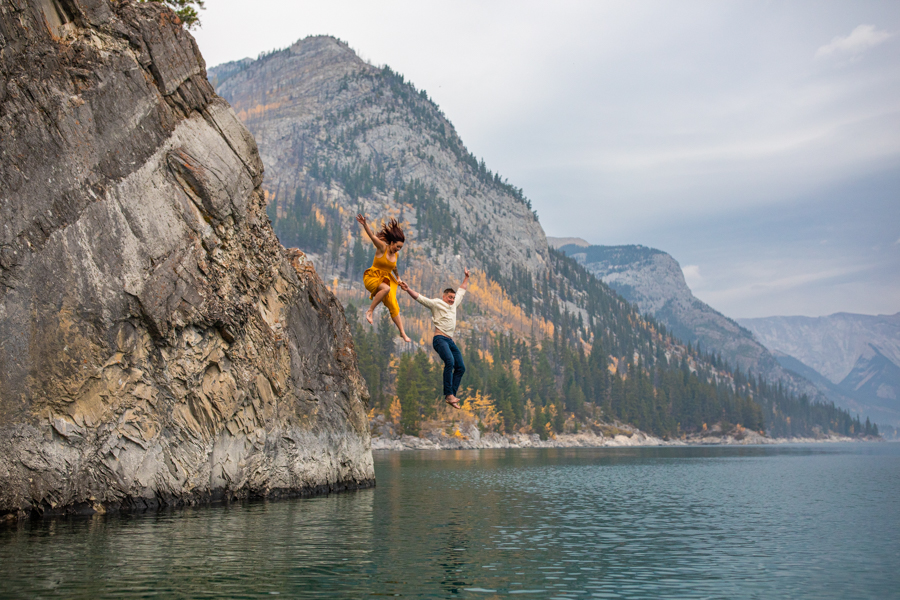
[{"x": 583, "y": 440}]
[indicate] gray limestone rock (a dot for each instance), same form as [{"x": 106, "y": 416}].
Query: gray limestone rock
[
  {"x": 317, "y": 105},
  {"x": 157, "y": 344}
]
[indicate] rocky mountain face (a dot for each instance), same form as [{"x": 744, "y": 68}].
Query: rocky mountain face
[
  {"x": 654, "y": 281},
  {"x": 875, "y": 379},
  {"x": 858, "y": 354},
  {"x": 157, "y": 343},
  {"x": 339, "y": 136},
  {"x": 831, "y": 345}
]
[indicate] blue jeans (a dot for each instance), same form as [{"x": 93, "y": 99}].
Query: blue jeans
[{"x": 454, "y": 367}]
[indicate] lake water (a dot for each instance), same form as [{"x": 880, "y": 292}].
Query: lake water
[{"x": 819, "y": 521}]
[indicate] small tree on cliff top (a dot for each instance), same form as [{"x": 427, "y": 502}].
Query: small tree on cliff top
[{"x": 185, "y": 9}]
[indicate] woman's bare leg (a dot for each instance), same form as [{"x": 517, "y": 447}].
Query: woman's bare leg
[
  {"x": 399, "y": 323},
  {"x": 383, "y": 290}
]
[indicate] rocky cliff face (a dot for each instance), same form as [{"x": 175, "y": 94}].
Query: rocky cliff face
[{"x": 157, "y": 344}]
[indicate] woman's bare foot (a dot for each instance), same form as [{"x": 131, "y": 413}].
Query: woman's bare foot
[
  {"x": 369, "y": 317},
  {"x": 406, "y": 338},
  {"x": 452, "y": 401}
]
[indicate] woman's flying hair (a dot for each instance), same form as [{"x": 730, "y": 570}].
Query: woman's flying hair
[{"x": 391, "y": 232}]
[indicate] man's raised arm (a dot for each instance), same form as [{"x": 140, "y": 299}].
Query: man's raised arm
[{"x": 465, "y": 283}]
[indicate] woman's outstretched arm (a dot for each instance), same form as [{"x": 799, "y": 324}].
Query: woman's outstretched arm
[
  {"x": 376, "y": 241},
  {"x": 405, "y": 287},
  {"x": 424, "y": 301}
]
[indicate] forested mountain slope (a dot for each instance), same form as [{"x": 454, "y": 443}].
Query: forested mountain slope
[
  {"x": 550, "y": 345},
  {"x": 654, "y": 281}
]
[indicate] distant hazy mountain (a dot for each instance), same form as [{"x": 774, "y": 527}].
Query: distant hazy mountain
[
  {"x": 831, "y": 345},
  {"x": 654, "y": 281},
  {"x": 857, "y": 354}
]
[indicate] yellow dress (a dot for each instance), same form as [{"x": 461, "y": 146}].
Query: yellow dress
[{"x": 383, "y": 270}]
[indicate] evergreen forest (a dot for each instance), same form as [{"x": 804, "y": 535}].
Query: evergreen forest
[{"x": 638, "y": 376}]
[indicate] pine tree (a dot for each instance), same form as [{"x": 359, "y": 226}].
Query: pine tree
[
  {"x": 185, "y": 9},
  {"x": 409, "y": 395}
]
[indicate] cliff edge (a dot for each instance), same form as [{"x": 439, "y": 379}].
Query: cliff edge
[{"x": 157, "y": 344}]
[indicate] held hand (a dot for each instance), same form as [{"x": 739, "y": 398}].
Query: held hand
[{"x": 403, "y": 285}]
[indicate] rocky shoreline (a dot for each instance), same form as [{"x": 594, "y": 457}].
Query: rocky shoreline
[{"x": 587, "y": 439}]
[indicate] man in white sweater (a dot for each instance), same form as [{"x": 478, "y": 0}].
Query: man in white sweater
[{"x": 443, "y": 314}]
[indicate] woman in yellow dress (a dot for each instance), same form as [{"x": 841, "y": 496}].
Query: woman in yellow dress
[{"x": 379, "y": 279}]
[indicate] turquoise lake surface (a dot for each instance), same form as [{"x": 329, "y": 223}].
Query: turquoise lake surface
[{"x": 802, "y": 521}]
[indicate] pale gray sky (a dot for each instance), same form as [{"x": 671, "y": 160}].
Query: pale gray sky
[{"x": 757, "y": 142}]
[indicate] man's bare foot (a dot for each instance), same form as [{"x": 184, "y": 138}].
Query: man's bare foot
[
  {"x": 452, "y": 401},
  {"x": 369, "y": 317}
]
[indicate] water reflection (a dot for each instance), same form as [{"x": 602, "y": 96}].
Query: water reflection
[
  {"x": 802, "y": 522},
  {"x": 254, "y": 549}
]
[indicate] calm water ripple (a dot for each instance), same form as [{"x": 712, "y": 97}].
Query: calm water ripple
[{"x": 758, "y": 522}]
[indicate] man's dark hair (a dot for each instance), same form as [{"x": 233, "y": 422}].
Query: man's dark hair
[{"x": 449, "y": 291}]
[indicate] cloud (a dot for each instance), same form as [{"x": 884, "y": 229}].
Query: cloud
[
  {"x": 692, "y": 275},
  {"x": 860, "y": 39},
  {"x": 770, "y": 287}
]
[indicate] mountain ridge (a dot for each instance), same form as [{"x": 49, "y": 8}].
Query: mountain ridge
[
  {"x": 845, "y": 334},
  {"x": 653, "y": 280},
  {"x": 857, "y": 354},
  {"x": 340, "y": 136}
]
